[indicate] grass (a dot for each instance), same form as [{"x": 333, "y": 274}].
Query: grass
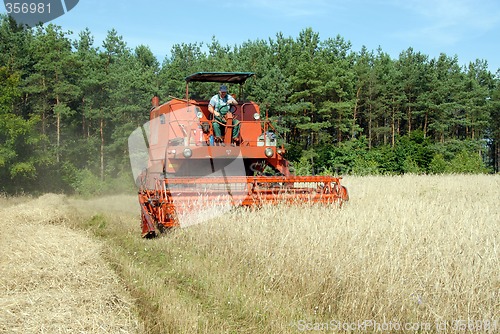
[{"x": 420, "y": 250}]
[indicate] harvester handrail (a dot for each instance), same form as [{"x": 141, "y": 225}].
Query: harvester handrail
[{"x": 252, "y": 179}]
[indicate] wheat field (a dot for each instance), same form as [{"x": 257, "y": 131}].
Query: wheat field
[{"x": 406, "y": 254}]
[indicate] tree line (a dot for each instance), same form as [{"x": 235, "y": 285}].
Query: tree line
[{"x": 68, "y": 106}]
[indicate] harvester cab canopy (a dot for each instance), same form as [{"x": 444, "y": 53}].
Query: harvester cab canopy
[{"x": 221, "y": 77}]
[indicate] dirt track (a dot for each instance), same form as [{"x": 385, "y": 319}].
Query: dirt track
[{"x": 53, "y": 279}]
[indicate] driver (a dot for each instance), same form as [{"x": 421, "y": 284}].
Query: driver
[{"x": 220, "y": 105}]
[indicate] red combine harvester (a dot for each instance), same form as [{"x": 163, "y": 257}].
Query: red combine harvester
[{"x": 184, "y": 169}]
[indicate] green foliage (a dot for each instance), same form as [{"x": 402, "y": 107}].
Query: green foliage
[
  {"x": 18, "y": 137},
  {"x": 467, "y": 163},
  {"x": 410, "y": 166},
  {"x": 464, "y": 162},
  {"x": 86, "y": 183},
  {"x": 363, "y": 165},
  {"x": 438, "y": 165},
  {"x": 347, "y": 157},
  {"x": 305, "y": 165},
  {"x": 23, "y": 169}
]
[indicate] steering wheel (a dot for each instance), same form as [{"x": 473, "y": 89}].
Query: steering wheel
[{"x": 232, "y": 108}]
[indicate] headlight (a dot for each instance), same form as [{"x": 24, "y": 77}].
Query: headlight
[
  {"x": 269, "y": 152},
  {"x": 199, "y": 114},
  {"x": 187, "y": 153},
  {"x": 280, "y": 151},
  {"x": 256, "y": 116}
]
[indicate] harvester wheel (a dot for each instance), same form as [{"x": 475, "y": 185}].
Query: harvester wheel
[
  {"x": 343, "y": 193},
  {"x": 161, "y": 228},
  {"x": 149, "y": 235},
  {"x": 148, "y": 231}
]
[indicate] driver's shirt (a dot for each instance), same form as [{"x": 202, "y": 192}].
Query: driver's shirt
[{"x": 217, "y": 102}]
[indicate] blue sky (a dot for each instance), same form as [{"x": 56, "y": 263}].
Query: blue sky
[{"x": 469, "y": 29}]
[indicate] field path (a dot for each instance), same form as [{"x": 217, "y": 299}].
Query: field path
[{"x": 53, "y": 279}]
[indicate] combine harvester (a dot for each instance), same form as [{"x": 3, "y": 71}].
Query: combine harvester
[{"x": 181, "y": 169}]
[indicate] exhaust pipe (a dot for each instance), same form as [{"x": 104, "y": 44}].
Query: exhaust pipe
[{"x": 155, "y": 101}]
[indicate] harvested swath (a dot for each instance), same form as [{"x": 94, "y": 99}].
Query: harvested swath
[{"x": 53, "y": 279}]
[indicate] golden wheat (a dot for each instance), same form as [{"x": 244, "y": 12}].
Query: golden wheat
[{"x": 411, "y": 249}]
